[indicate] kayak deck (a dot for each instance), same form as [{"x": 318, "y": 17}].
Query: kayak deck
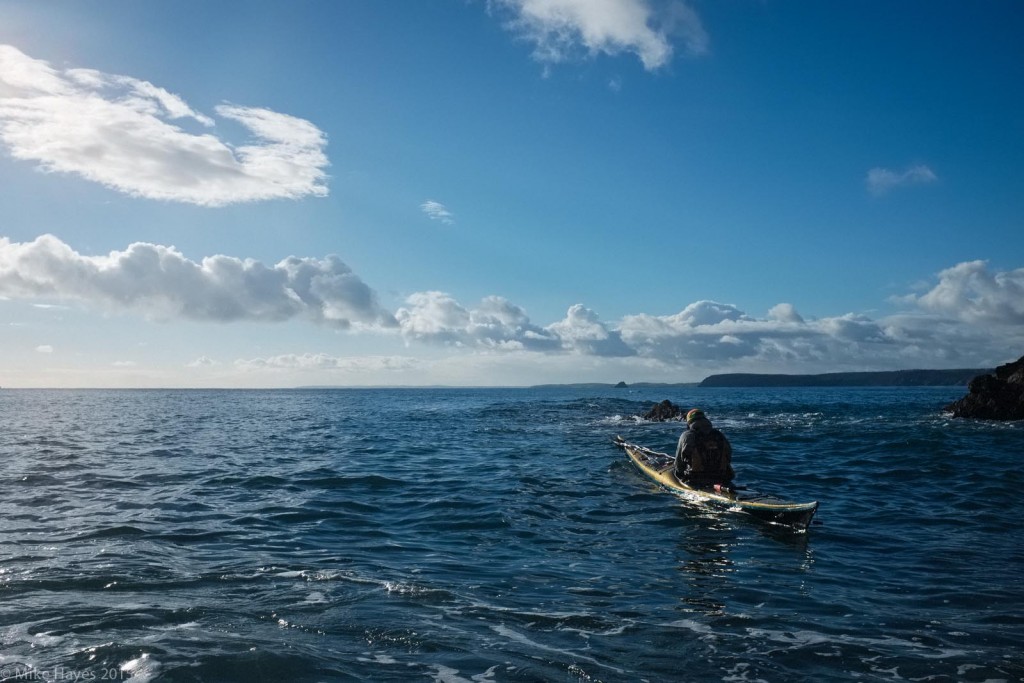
[{"x": 659, "y": 467}]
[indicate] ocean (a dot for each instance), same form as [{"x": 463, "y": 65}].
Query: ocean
[{"x": 497, "y": 535}]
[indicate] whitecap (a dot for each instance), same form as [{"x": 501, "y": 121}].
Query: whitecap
[
  {"x": 46, "y": 640},
  {"x": 408, "y": 588},
  {"x": 692, "y": 625},
  {"x": 445, "y": 674},
  {"x": 142, "y": 668},
  {"x": 187, "y": 626},
  {"x": 377, "y": 658},
  {"x": 622, "y": 419}
]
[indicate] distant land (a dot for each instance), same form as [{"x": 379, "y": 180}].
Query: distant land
[
  {"x": 620, "y": 385},
  {"x": 895, "y": 378}
]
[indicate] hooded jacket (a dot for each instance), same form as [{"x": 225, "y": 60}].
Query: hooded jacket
[{"x": 703, "y": 455}]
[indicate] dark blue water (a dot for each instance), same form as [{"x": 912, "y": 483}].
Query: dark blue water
[{"x": 497, "y": 535}]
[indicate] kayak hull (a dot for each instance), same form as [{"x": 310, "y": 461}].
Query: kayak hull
[{"x": 659, "y": 467}]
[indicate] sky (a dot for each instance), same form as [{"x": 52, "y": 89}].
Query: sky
[{"x": 506, "y": 192}]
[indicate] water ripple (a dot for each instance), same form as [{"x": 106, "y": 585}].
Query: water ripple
[{"x": 460, "y": 535}]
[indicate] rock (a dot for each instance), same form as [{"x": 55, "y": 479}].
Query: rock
[
  {"x": 664, "y": 411},
  {"x": 621, "y": 385},
  {"x": 999, "y": 396}
]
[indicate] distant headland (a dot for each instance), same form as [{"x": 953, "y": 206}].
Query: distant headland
[{"x": 894, "y": 378}]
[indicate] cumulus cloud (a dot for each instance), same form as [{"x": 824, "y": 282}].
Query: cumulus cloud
[
  {"x": 437, "y": 211},
  {"x": 436, "y": 317},
  {"x": 560, "y": 29},
  {"x": 882, "y": 180},
  {"x": 939, "y": 328},
  {"x": 162, "y": 284},
  {"x": 712, "y": 335},
  {"x": 582, "y": 331},
  {"x": 131, "y": 135},
  {"x": 969, "y": 317},
  {"x": 696, "y": 332},
  {"x": 784, "y": 313},
  {"x": 44, "y": 348},
  {"x": 970, "y": 293}
]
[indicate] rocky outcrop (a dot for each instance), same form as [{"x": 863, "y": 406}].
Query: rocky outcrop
[
  {"x": 997, "y": 396},
  {"x": 664, "y": 412}
]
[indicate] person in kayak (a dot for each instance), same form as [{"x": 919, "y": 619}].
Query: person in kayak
[{"x": 704, "y": 455}]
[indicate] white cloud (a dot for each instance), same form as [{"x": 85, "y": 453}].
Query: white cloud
[
  {"x": 581, "y": 331},
  {"x": 693, "y": 333},
  {"x": 202, "y": 362},
  {"x": 325, "y": 362},
  {"x": 129, "y": 135},
  {"x": 559, "y": 29},
  {"x": 970, "y": 293},
  {"x": 44, "y": 348},
  {"x": 433, "y": 316},
  {"x": 711, "y": 337},
  {"x": 708, "y": 336},
  {"x": 436, "y": 317},
  {"x": 882, "y": 180},
  {"x": 161, "y": 283},
  {"x": 784, "y": 313},
  {"x": 970, "y": 317},
  {"x": 437, "y": 211}
]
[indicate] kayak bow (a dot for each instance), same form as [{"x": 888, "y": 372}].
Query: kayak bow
[{"x": 660, "y": 467}]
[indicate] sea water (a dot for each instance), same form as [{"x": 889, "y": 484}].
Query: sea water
[{"x": 497, "y": 535}]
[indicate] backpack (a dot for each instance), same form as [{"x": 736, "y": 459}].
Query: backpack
[{"x": 710, "y": 459}]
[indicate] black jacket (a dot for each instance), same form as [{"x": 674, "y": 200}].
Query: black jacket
[{"x": 704, "y": 455}]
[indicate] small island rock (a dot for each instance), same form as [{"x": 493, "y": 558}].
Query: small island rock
[
  {"x": 664, "y": 412},
  {"x": 998, "y": 396}
]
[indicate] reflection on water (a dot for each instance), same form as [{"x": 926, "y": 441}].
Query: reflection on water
[
  {"x": 705, "y": 566},
  {"x": 712, "y": 556}
]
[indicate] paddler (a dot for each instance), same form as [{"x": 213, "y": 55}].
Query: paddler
[{"x": 704, "y": 455}]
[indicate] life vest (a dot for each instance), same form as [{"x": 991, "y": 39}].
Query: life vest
[{"x": 710, "y": 460}]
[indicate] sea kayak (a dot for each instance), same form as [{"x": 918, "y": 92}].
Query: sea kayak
[{"x": 660, "y": 467}]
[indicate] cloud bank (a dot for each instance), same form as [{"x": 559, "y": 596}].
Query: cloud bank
[
  {"x": 322, "y": 362},
  {"x": 131, "y": 136},
  {"x": 561, "y": 29},
  {"x": 970, "y": 317},
  {"x": 159, "y": 282}
]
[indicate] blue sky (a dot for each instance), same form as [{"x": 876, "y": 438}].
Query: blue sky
[{"x": 506, "y": 192}]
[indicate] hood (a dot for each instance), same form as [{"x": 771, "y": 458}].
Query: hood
[{"x": 701, "y": 425}]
